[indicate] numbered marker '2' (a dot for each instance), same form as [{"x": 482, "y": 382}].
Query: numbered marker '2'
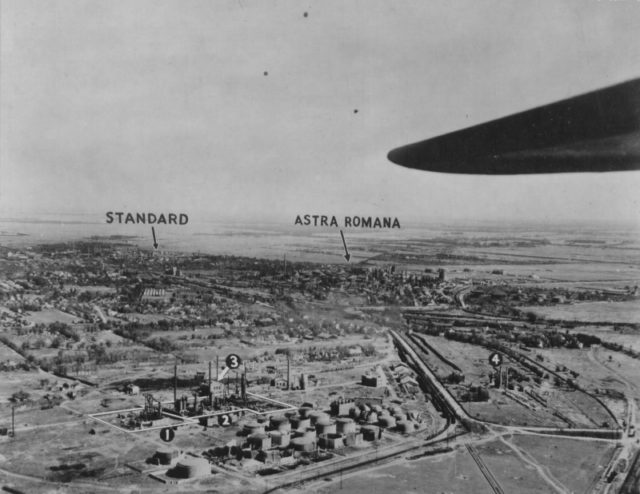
[
  {"x": 224, "y": 420},
  {"x": 495, "y": 359}
]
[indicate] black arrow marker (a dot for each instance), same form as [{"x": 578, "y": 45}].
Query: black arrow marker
[
  {"x": 347, "y": 256},
  {"x": 155, "y": 243}
]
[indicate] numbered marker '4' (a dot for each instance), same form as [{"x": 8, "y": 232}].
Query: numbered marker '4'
[{"x": 495, "y": 359}]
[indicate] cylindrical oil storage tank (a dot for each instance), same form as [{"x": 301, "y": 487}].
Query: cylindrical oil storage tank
[
  {"x": 369, "y": 432},
  {"x": 336, "y": 441},
  {"x": 299, "y": 423},
  {"x": 262, "y": 419},
  {"x": 189, "y": 468},
  {"x": 345, "y": 426},
  {"x": 395, "y": 410},
  {"x": 275, "y": 420},
  {"x": 323, "y": 441},
  {"x": 259, "y": 440},
  {"x": 387, "y": 421},
  {"x": 376, "y": 408},
  {"x": 405, "y": 426},
  {"x": 285, "y": 427},
  {"x": 281, "y": 424},
  {"x": 400, "y": 417},
  {"x": 295, "y": 422},
  {"x": 354, "y": 413},
  {"x": 372, "y": 418},
  {"x": 304, "y": 411},
  {"x": 331, "y": 441},
  {"x": 309, "y": 432},
  {"x": 253, "y": 428},
  {"x": 290, "y": 414},
  {"x": 325, "y": 426},
  {"x": 279, "y": 439},
  {"x": 303, "y": 444},
  {"x": 317, "y": 415},
  {"x": 164, "y": 456}
]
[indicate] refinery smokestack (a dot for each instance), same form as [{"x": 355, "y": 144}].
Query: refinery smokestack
[{"x": 175, "y": 382}]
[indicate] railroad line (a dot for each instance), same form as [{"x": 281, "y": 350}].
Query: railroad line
[{"x": 493, "y": 482}]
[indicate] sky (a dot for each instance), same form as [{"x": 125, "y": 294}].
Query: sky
[{"x": 246, "y": 109}]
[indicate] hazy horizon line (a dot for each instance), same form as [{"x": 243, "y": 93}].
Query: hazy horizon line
[{"x": 406, "y": 221}]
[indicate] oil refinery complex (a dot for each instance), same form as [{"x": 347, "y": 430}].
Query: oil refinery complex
[{"x": 175, "y": 372}]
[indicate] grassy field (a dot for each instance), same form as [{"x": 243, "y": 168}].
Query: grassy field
[
  {"x": 8, "y": 354},
  {"x": 614, "y": 312},
  {"x": 451, "y": 473},
  {"x": 505, "y": 411},
  {"x": 473, "y": 360},
  {"x": 511, "y": 471},
  {"x": 50, "y": 315},
  {"x": 573, "y": 462}
]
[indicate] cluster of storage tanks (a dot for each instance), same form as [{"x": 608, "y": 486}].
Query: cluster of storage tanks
[
  {"x": 309, "y": 428},
  {"x": 302, "y": 431},
  {"x": 391, "y": 417}
]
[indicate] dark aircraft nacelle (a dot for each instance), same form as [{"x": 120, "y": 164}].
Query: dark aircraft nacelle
[{"x": 594, "y": 132}]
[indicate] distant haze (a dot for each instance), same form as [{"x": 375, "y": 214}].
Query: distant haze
[{"x": 247, "y": 109}]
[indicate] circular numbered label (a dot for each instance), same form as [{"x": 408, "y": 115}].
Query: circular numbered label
[
  {"x": 495, "y": 359},
  {"x": 224, "y": 420},
  {"x": 233, "y": 361},
  {"x": 167, "y": 434}
]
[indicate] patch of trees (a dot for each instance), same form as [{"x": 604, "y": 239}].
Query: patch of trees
[{"x": 161, "y": 344}]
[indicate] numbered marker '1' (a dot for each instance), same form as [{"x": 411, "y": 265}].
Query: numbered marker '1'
[
  {"x": 495, "y": 359},
  {"x": 167, "y": 434}
]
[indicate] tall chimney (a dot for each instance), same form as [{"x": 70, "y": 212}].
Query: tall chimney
[
  {"x": 175, "y": 382},
  {"x": 288, "y": 372},
  {"x": 210, "y": 393}
]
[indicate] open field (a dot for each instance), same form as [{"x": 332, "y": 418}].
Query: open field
[
  {"x": 8, "y": 354},
  {"x": 613, "y": 312},
  {"x": 502, "y": 410},
  {"x": 47, "y": 316},
  {"x": 574, "y": 463},
  {"x": 453, "y": 472},
  {"x": 539, "y": 463}
]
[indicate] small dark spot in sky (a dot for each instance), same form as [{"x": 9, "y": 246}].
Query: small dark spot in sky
[
  {"x": 266, "y": 73},
  {"x": 306, "y": 14},
  {"x": 355, "y": 111}
]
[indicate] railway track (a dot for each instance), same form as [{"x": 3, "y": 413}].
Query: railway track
[{"x": 493, "y": 482}]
